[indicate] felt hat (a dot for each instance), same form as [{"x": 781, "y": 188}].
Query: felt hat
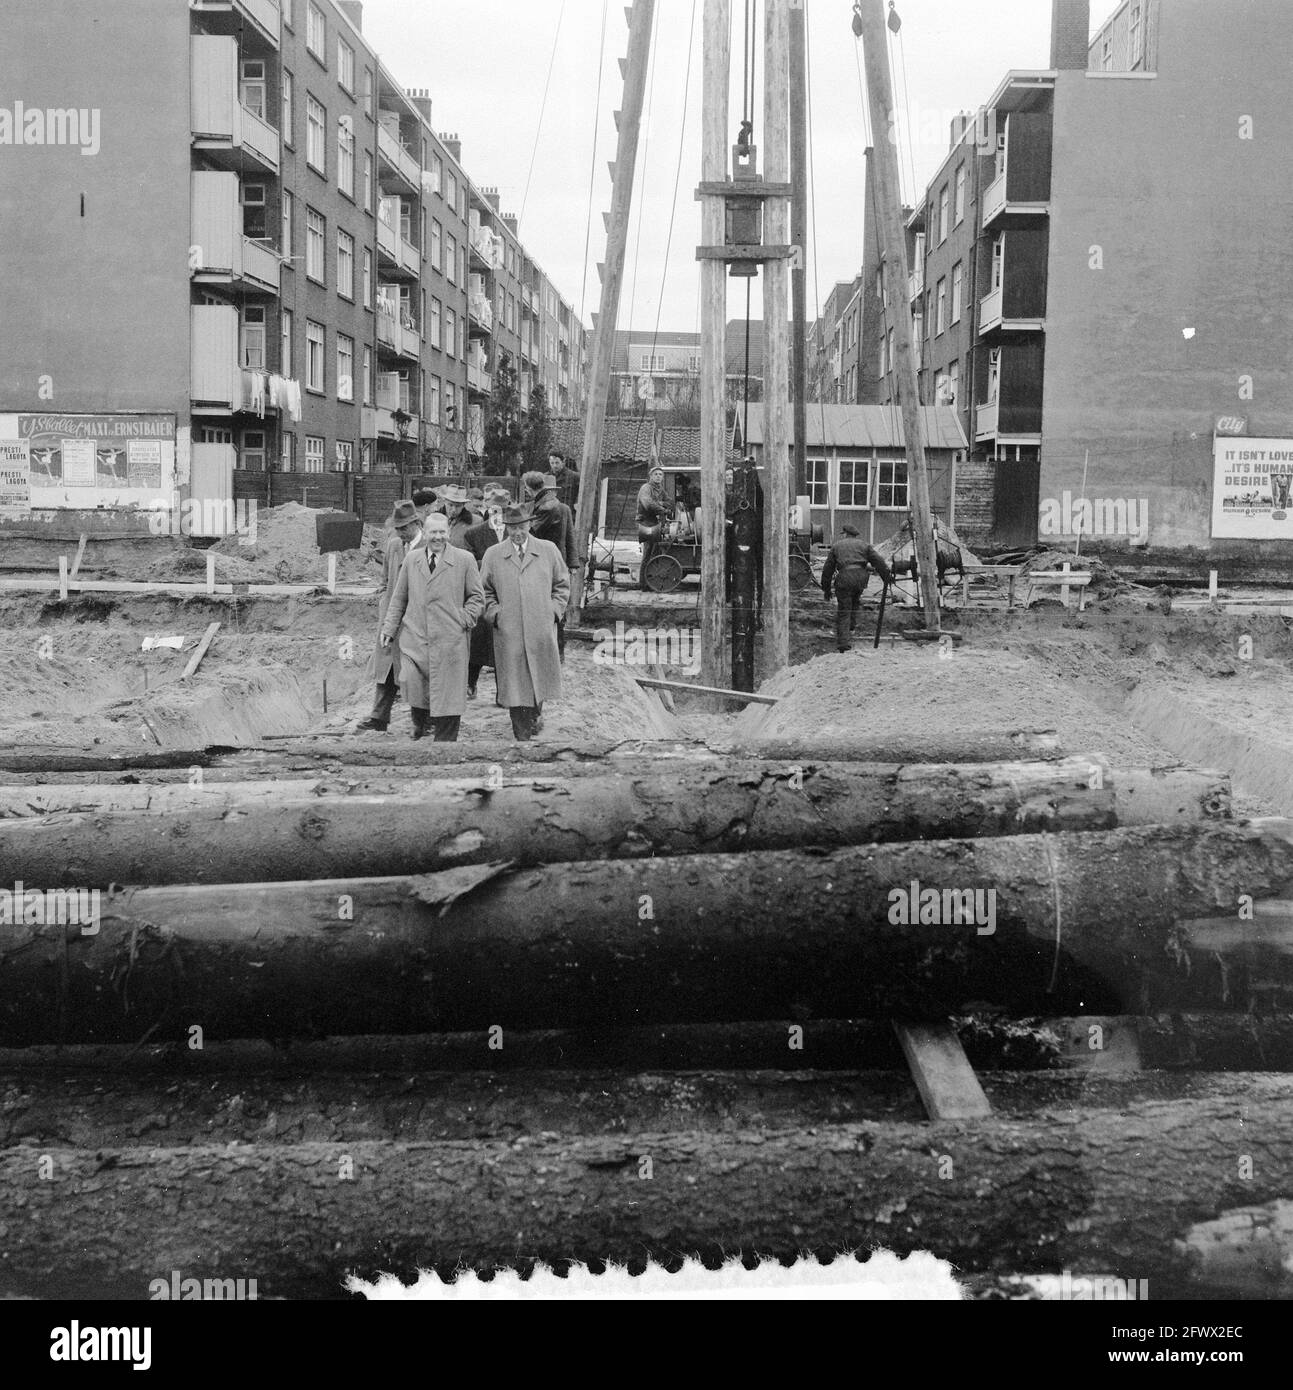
[
  {"x": 496, "y": 496},
  {"x": 515, "y": 513},
  {"x": 453, "y": 495},
  {"x": 549, "y": 482},
  {"x": 404, "y": 513}
]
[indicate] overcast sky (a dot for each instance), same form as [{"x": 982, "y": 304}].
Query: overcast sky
[{"x": 486, "y": 63}]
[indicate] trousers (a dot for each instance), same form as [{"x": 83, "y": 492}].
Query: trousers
[{"x": 849, "y": 588}]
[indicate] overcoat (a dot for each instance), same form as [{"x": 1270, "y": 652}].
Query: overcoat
[
  {"x": 386, "y": 660},
  {"x": 478, "y": 540},
  {"x": 554, "y": 522},
  {"x": 523, "y": 600},
  {"x": 433, "y": 615}
]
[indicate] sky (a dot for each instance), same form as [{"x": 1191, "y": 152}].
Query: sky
[{"x": 488, "y": 63}]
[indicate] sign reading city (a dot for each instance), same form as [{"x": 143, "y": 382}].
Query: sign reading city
[{"x": 1251, "y": 486}]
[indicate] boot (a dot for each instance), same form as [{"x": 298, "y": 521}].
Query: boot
[
  {"x": 381, "y": 715},
  {"x": 421, "y": 723}
]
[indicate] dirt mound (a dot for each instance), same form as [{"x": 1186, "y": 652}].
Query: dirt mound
[
  {"x": 1105, "y": 580},
  {"x": 286, "y": 550}
]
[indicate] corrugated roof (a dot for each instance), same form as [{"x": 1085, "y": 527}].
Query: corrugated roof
[{"x": 869, "y": 426}]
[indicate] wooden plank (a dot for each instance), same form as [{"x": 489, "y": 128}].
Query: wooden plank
[
  {"x": 942, "y": 1072},
  {"x": 62, "y": 578},
  {"x": 80, "y": 555},
  {"x": 652, "y": 683},
  {"x": 196, "y": 659}
]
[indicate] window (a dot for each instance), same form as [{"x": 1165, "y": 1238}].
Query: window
[
  {"x": 450, "y": 258},
  {"x": 287, "y": 457},
  {"x": 368, "y": 376},
  {"x": 252, "y": 455},
  {"x": 345, "y": 64},
  {"x": 253, "y": 336},
  {"x": 252, "y": 89},
  {"x": 940, "y": 322},
  {"x": 437, "y": 173},
  {"x": 942, "y": 389},
  {"x": 450, "y": 331},
  {"x": 1106, "y": 53},
  {"x": 435, "y": 244},
  {"x": 316, "y": 121},
  {"x": 998, "y": 261},
  {"x": 345, "y": 368},
  {"x": 289, "y": 207},
  {"x": 289, "y": 111},
  {"x": 954, "y": 384},
  {"x": 368, "y": 278},
  {"x": 346, "y": 155},
  {"x": 462, "y": 265},
  {"x": 462, "y": 336},
  {"x": 285, "y": 348},
  {"x": 254, "y": 217},
  {"x": 652, "y": 363},
  {"x": 368, "y": 182},
  {"x": 345, "y": 456},
  {"x": 345, "y": 265},
  {"x": 855, "y": 483},
  {"x": 893, "y": 361},
  {"x": 994, "y": 375},
  {"x": 818, "y": 483},
  {"x": 315, "y": 228},
  {"x": 451, "y": 194},
  {"x": 891, "y": 485},
  {"x": 884, "y": 355},
  {"x": 286, "y": 7},
  {"x": 313, "y": 356},
  {"x": 958, "y": 278},
  {"x": 313, "y": 448},
  {"x": 316, "y": 33},
  {"x": 1137, "y": 35},
  {"x": 433, "y": 323},
  {"x": 462, "y": 201},
  {"x": 431, "y": 401},
  {"x": 942, "y": 215},
  {"x": 959, "y": 210},
  {"x": 370, "y": 92}
]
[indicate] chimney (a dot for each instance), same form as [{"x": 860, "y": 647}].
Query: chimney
[
  {"x": 1070, "y": 34},
  {"x": 453, "y": 145},
  {"x": 354, "y": 12},
  {"x": 510, "y": 222},
  {"x": 491, "y": 197},
  {"x": 422, "y": 100}
]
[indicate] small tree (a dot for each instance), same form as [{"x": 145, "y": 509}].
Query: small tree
[
  {"x": 504, "y": 433},
  {"x": 538, "y": 431}
]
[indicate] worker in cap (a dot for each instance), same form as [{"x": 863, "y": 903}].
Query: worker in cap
[
  {"x": 405, "y": 526},
  {"x": 527, "y": 587},
  {"x": 847, "y": 566},
  {"x": 653, "y": 511}
]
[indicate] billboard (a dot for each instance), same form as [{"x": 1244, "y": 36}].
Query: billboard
[
  {"x": 1251, "y": 485},
  {"x": 86, "y": 460}
]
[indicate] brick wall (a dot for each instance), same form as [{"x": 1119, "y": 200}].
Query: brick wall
[
  {"x": 975, "y": 480},
  {"x": 1070, "y": 34}
]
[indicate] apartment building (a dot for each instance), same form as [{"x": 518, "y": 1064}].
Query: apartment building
[
  {"x": 654, "y": 371},
  {"x": 1101, "y": 276},
  {"x": 272, "y": 264},
  {"x": 835, "y": 354}
]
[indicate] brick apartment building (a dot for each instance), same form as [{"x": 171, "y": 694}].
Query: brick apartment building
[
  {"x": 1100, "y": 271},
  {"x": 271, "y": 263}
]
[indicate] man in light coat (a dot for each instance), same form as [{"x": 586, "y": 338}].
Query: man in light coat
[
  {"x": 437, "y": 601},
  {"x": 527, "y": 587},
  {"x": 405, "y": 528}
]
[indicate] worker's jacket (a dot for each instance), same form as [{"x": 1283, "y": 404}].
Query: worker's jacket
[
  {"x": 652, "y": 507},
  {"x": 852, "y": 556}
]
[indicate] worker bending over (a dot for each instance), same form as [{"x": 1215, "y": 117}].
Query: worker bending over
[{"x": 847, "y": 566}]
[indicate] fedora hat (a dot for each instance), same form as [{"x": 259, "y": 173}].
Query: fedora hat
[
  {"x": 549, "y": 482},
  {"x": 497, "y": 496},
  {"x": 453, "y": 495},
  {"x": 404, "y": 513},
  {"x": 514, "y": 513}
]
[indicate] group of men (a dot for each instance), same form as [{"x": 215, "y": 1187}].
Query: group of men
[{"x": 462, "y": 591}]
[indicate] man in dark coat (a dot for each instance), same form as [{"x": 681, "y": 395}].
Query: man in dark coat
[
  {"x": 478, "y": 540},
  {"x": 653, "y": 511},
  {"x": 405, "y": 528},
  {"x": 846, "y": 568},
  {"x": 527, "y": 587},
  {"x": 567, "y": 479},
  {"x": 460, "y": 515},
  {"x": 553, "y": 521}
]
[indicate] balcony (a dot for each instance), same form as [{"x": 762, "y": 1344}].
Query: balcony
[
  {"x": 1002, "y": 212},
  {"x": 529, "y": 302},
  {"x": 217, "y": 383},
  {"x": 398, "y": 339},
  {"x": 985, "y": 420},
  {"x": 479, "y": 382},
  {"x": 397, "y": 169},
  {"x": 228, "y": 133},
  {"x": 990, "y": 311},
  {"x": 480, "y": 316},
  {"x": 223, "y": 255},
  {"x": 993, "y": 321},
  {"x": 260, "y": 17},
  {"x": 482, "y": 245},
  {"x": 388, "y": 242},
  {"x": 916, "y": 282}
]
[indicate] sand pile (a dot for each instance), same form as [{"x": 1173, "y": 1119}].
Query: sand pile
[
  {"x": 287, "y": 550},
  {"x": 1104, "y": 580}
]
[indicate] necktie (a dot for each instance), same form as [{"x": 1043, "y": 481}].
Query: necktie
[{"x": 431, "y": 560}]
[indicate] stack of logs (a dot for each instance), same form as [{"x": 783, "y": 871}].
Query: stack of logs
[{"x": 501, "y": 1003}]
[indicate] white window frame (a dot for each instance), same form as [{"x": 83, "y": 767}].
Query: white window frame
[
  {"x": 450, "y": 331},
  {"x": 437, "y": 244},
  {"x": 345, "y": 264},
  {"x": 316, "y": 134},
  {"x": 368, "y": 277},
  {"x": 1137, "y": 40},
  {"x": 316, "y": 33},
  {"x": 433, "y": 322},
  {"x": 942, "y": 215},
  {"x": 368, "y": 182},
  {"x": 994, "y": 376},
  {"x": 819, "y": 488},
  {"x": 287, "y": 323},
  {"x": 940, "y": 299},
  {"x": 437, "y": 173},
  {"x": 958, "y": 205},
  {"x": 853, "y": 483},
  {"x": 289, "y": 106},
  {"x": 253, "y": 82},
  {"x": 314, "y": 453},
  {"x": 287, "y": 452},
  {"x": 958, "y": 289},
  {"x": 346, "y": 155},
  {"x": 316, "y": 239},
  {"x": 451, "y": 190},
  {"x": 451, "y": 258},
  {"x": 345, "y": 456},
  {"x": 316, "y": 342},
  {"x": 892, "y": 466},
  {"x": 345, "y": 65},
  {"x": 368, "y": 375},
  {"x": 998, "y": 262},
  {"x": 954, "y": 384},
  {"x": 345, "y": 367},
  {"x": 252, "y": 456},
  {"x": 253, "y": 344}
]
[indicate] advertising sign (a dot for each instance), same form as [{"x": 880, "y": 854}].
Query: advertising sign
[
  {"x": 15, "y": 478},
  {"x": 105, "y": 455},
  {"x": 1252, "y": 482}
]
